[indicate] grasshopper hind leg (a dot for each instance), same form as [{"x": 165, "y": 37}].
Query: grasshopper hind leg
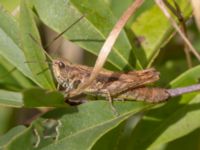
[
  {"x": 103, "y": 93},
  {"x": 109, "y": 97}
]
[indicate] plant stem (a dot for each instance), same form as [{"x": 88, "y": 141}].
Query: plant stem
[
  {"x": 162, "y": 6},
  {"x": 183, "y": 90},
  {"x": 177, "y": 12}
]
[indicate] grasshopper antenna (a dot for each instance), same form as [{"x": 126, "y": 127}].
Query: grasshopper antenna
[
  {"x": 41, "y": 47},
  {"x": 46, "y": 61},
  {"x": 8, "y": 73},
  {"x": 59, "y": 35}
]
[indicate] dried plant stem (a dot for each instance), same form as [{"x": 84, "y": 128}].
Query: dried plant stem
[
  {"x": 184, "y": 30},
  {"x": 107, "y": 47},
  {"x": 162, "y": 6},
  {"x": 181, "y": 19},
  {"x": 196, "y": 11},
  {"x": 187, "y": 54}
]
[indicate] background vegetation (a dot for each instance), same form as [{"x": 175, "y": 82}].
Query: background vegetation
[{"x": 147, "y": 40}]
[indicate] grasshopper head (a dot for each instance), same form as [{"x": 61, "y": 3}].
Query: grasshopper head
[{"x": 60, "y": 70}]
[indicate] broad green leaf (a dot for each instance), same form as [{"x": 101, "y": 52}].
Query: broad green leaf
[
  {"x": 190, "y": 141},
  {"x": 182, "y": 122},
  {"x": 118, "y": 7},
  {"x": 10, "y": 44},
  {"x": 31, "y": 49},
  {"x": 86, "y": 123},
  {"x": 19, "y": 137},
  {"x": 118, "y": 138},
  {"x": 111, "y": 139},
  {"x": 187, "y": 78},
  {"x": 11, "y": 77},
  {"x": 91, "y": 32},
  {"x": 173, "y": 120},
  {"x": 10, "y": 5},
  {"x": 10, "y": 134},
  {"x": 152, "y": 30},
  {"x": 42, "y": 98},
  {"x": 11, "y": 99}
]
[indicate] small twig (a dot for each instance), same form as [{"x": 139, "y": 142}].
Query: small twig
[
  {"x": 183, "y": 90},
  {"x": 174, "y": 24},
  {"x": 177, "y": 12},
  {"x": 107, "y": 47}
]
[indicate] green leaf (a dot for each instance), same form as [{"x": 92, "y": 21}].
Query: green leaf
[
  {"x": 91, "y": 31},
  {"x": 190, "y": 141},
  {"x": 10, "y": 5},
  {"x": 40, "y": 97},
  {"x": 86, "y": 123},
  {"x": 32, "y": 50},
  {"x": 111, "y": 139},
  {"x": 187, "y": 78},
  {"x": 118, "y": 7},
  {"x": 152, "y": 30},
  {"x": 19, "y": 137},
  {"x": 182, "y": 122},
  {"x": 172, "y": 120},
  {"x": 11, "y": 99},
  {"x": 10, "y": 134},
  {"x": 118, "y": 138},
  {"x": 11, "y": 77},
  {"x": 10, "y": 45},
  {"x": 6, "y": 115}
]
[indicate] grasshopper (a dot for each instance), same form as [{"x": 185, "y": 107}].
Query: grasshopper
[
  {"x": 117, "y": 85},
  {"x": 113, "y": 85}
]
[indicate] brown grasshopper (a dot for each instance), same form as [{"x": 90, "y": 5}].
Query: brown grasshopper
[{"x": 115, "y": 85}]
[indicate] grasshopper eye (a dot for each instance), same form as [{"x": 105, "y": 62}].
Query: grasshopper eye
[{"x": 61, "y": 65}]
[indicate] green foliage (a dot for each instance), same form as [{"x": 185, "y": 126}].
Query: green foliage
[
  {"x": 19, "y": 137},
  {"x": 13, "y": 99},
  {"x": 92, "y": 30},
  {"x": 32, "y": 51},
  {"x": 38, "y": 97},
  {"x": 90, "y": 122},
  {"x": 147, "y": 40},
  {"x": 155, "y": 33}
]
